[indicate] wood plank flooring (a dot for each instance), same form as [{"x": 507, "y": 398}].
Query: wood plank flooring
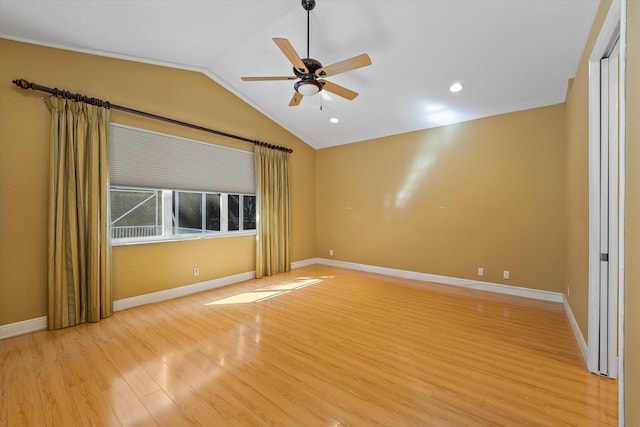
[{"x": 319, "y": 346}]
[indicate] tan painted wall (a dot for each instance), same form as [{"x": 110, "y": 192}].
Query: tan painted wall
[
  {"x": 632, "y": 216},
  {"x": 485, "y": 193},
  {"x": 184, "y": 95},
  {"x": 577, "y": 169}
]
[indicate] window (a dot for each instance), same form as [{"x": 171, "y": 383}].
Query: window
[
  {"x": 150, "y": 215},
  {"x": 168, "y": 187}
]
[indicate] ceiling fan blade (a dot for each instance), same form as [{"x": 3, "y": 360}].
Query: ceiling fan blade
[
  {"x": 291, "y": 54},
  {"x": 260, "y": 79},
  {"x": 295, "y": 100},
  {"x": 338, "y": 90},
  {"x": 343, "y": 66}
]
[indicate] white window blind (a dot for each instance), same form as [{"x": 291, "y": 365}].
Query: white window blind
[{"x": 146, "y": 159}]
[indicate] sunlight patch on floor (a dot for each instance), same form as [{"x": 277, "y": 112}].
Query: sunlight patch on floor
[
  {"x": 291, "y": 285},
  {"x": 267, "y": 292},
  {"x": 246, "y": 297}
]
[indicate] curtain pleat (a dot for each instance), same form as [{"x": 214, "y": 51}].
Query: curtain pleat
[
  {"x": 79, "y": 253},
  {"x": 273, "y": 248}
]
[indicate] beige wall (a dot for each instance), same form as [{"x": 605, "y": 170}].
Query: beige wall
[
  {"x": 184, "y": 95},
  {"x": 632, "y": 215},
  {"x": 577, "y": 170},
  {"x": 485, "y": 193}
]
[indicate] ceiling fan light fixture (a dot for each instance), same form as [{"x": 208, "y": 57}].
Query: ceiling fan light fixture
[{"x": 307, "y": 87}]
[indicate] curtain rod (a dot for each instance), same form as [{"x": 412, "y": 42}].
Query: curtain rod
[{"x": 24, "y": 84}]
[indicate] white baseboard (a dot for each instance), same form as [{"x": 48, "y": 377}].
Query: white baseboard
[
  {"x": 24, "y": 327},
  {"x": 576, "y": 331},
  {"x": 304, "y": 263},
  {"x": 454, "y": 281},
  {"x": 123, "y": 304}
]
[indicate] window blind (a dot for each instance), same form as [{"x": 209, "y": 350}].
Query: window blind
[{"x": 145, "y": 159}]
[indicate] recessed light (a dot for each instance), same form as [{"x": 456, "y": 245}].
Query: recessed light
[
  {"x": 334, "y": 120},
  {"x": 456, "y": 87}
]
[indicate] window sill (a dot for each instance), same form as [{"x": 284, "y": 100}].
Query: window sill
[{"x": 179, "y": 238}]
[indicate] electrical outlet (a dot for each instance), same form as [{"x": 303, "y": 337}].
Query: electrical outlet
[
  {"x": 196, "y": 272},
  {"x": 480, "y": 271},
  {"x": 330, "y": 252},
  {"x": 568, "y": 290},
  {"x": 506, "y": 274}
]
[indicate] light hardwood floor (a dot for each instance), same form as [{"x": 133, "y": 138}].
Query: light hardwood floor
[{"x": 333, "y": 348}]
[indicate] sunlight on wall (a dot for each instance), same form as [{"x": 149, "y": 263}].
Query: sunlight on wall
[
  {"x": 414, "y": 177},
  {"x": 429, "y": 152}
]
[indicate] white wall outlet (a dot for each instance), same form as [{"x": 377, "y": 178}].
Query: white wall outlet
[
  {"x": 568, "y": 290},
  {"x": 480, "y": 271},
  {"x": 330, "y": 252},
  {"x": 196, "y": 272},
  {"x": 506, "y": 274}
]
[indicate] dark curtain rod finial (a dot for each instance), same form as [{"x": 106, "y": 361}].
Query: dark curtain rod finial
[
  {"x": 25, "y": 84},
  {"x": 22, "y": 83}
]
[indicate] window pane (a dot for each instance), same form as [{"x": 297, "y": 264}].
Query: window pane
[
  {"x": 233, "y": 209},
  {"x": 135, "y": 213},
  {"x": 249, "y": 210},
  {"x": 212, "y": 215},
  {"x": 187, "y": 212}
]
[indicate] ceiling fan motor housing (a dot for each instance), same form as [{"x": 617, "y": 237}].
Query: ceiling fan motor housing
[{"x": 312, "y": 65}]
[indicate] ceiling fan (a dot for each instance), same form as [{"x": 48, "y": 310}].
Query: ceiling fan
[{"x": 310, "y": 72}]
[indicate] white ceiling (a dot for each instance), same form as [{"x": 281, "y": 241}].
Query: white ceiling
[{"x": 509, "y": 54}]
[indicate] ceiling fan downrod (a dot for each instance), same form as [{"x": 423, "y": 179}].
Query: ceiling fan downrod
[{"x": 308, "y": 5}]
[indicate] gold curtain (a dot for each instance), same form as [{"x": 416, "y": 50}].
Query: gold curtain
[
  {"x": 79, "y": 252},
  {"x": 273, "y": 251}
]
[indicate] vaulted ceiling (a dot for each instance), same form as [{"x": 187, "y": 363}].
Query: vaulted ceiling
[{"x": 509, "y": 55}]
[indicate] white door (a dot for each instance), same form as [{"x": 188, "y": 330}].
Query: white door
[{"x": 609, "y": 148}]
